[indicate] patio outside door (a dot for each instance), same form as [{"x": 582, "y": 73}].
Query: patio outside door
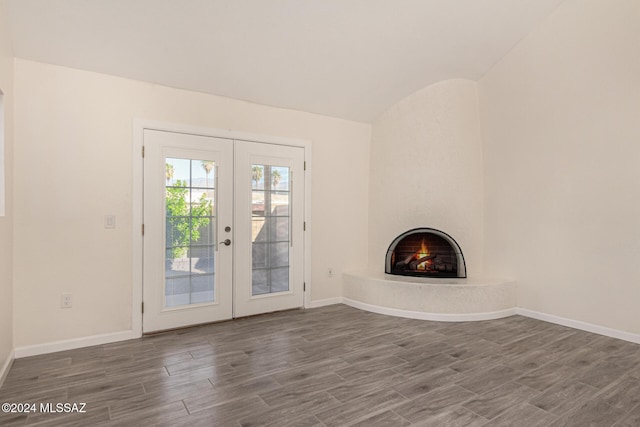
[{"x": 222, "y": 239}]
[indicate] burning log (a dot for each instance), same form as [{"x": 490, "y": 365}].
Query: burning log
[{"x": 413, "y": 265}]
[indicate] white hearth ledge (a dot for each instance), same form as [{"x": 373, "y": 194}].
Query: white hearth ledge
[{"x": 449, "y": 300}]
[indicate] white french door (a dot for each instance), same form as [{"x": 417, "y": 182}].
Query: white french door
[
  {"x": 222, "y": 238},
  {"x": 188, "y": 202},
  {"x": 269, "y": 260}
]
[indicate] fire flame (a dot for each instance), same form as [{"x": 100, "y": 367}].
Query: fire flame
[{"x": 424, "y": 251}]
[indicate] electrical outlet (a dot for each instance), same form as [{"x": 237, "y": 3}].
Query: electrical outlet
[
  {"x": 330, "y": 272},
  {"x": 109, "y": 221},
  {"x": 66, "y": 301}
]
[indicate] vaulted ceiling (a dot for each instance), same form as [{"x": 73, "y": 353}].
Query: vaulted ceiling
[{"x": 343, "y": 58}]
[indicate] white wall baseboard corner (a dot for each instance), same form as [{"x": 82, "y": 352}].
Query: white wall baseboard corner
[
  {"x": 437, "y": 317},
  {"x": 52, "y": 347},
  {"x": 324, "y": 302},
  {"x": 4, "y": 370},
  {"x": 583, "y": 326}
]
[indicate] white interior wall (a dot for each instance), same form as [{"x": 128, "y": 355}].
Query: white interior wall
[
  {"x": 6, "y": 221},
  {"x": 426, "y": 170},
  {"x": 559, "y": 155},
  {"x": 560, "y": 118},
  {"x": 73, "y": 163}
]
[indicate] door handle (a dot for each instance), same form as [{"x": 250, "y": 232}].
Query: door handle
[{"x": 227, "y": 242}]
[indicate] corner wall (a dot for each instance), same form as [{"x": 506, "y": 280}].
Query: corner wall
[
  {"x": 73, "y": 163},
  {"x": 6, "y": 222},
  {"x": 426, "y": 170},
  {"x": 561, "y": 142}
]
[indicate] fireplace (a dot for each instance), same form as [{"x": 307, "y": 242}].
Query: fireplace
[{"x": 425, "y": 252}]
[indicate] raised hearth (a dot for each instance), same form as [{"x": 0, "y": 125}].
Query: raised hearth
[{"x": 452, "y": 300}]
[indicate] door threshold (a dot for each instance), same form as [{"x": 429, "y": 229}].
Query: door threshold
[
  {"x": 199, "y": 325},
  {"x": 250, "y": 316}
]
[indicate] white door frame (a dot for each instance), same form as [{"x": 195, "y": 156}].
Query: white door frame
[{"x": 139, "y": 125}]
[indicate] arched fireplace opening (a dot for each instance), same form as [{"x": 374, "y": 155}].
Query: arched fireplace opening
[{"x": 425, "y": 252}]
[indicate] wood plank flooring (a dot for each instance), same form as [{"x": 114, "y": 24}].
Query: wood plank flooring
[{"x": 339, "y": 366}]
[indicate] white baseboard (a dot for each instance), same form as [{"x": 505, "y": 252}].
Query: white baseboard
[
  {"x": 324, "y": 302},
  {"x": 437, "y": 317},
  {"x": 464, "y": 317},
  {"x": 4, "y": 370},
  {"x": 583, "y": 326},
  {"x": 52, "y": 347}
]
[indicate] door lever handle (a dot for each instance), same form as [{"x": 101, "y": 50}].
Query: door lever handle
[{"x": 227, "y": 242}]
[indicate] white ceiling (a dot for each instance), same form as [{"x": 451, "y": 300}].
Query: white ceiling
[{"x": 344, "y": 58}]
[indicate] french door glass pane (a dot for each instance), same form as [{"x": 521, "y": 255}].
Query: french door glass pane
[
  {"x": 270, "y": 217},
  {"x": 190, "y": 224}
]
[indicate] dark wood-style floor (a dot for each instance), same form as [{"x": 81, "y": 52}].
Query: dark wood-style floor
[{"x": 338, "y": 366}]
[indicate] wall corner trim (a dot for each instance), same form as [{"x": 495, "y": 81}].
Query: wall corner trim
[
  {"x": 6, "y": 366},
  {"x": 70, "y": 344}
]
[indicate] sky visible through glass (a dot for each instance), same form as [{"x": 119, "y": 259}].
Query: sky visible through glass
[{"x": 182, "y": 172}]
